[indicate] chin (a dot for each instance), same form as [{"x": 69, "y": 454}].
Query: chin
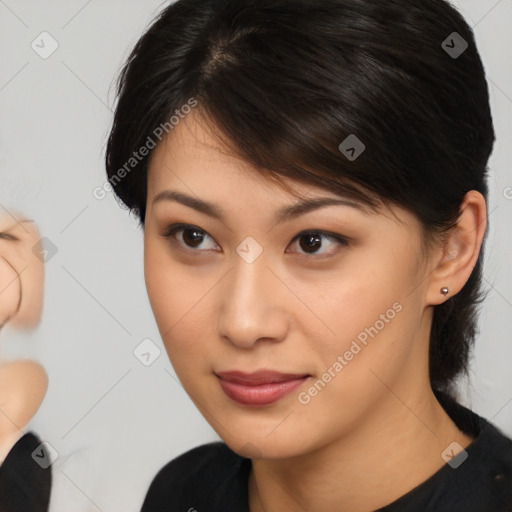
[{"x": 264, "y": 446}]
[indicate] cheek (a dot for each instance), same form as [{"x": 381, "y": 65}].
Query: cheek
[
  {"x": 169, "y": 289},
  {"x": 175, "y": 297},
  {"x": 370, "y": 316},
  {"x": 351, "y": 301}
]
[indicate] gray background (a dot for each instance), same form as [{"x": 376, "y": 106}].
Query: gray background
[{"x": 113, "y": 421}]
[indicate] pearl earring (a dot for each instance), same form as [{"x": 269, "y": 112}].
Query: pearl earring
[{"x": 444, "y": 291}]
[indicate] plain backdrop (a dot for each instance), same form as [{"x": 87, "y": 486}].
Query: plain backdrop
[{"x": 113, "y": 421}]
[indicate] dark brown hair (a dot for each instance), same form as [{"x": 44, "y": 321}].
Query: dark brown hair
[{"x": 284, "y": 82}]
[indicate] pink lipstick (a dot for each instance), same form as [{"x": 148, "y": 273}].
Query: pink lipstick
[{"x": 260, "y": 388}]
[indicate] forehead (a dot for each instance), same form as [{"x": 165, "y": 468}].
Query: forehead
[
  {"x": 194, "y": 161},
  {"x": 191, "y": 155}
]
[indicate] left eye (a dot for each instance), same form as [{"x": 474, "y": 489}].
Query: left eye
[
  {"x": 309, "y": 241},
  {"x": 312, "y": 241}
]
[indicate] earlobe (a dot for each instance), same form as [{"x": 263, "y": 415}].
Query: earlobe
[{"x": 460, "y": 251}]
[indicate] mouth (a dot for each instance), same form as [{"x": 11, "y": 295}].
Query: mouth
[{"x": 260, "y": 388}]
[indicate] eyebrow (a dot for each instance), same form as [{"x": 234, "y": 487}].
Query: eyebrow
[{"x": 284, "y": 214}]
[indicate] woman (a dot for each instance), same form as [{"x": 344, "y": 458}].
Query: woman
[
  {"x": 311, "y": 179},
  {"x": 25, "y": 475}
]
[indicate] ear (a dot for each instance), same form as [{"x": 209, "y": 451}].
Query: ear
[
  {"x": 21, "y": 272},
  {"x": 460, "y": 252}
]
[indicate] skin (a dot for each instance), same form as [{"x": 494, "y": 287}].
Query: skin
[
  {"x": 21, "y": 271},
  {"x": 375, "y": 431},
  {"x": 23, "y": 383}
]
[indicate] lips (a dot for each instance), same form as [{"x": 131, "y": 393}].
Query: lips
[{"x": 260, "y": 388}]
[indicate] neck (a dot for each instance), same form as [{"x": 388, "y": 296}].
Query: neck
[{"x": 396, "y": 448}]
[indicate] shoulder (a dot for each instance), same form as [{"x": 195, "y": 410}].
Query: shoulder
[
  {"x": 483, "y": 475},
  {"x": 25, "y": 485},
  {"x": 203, "y": 476},
  {"x": 24, "y": 384},
  {"x": 23, "y": 374}
]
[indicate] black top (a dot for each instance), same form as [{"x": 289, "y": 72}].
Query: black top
[
  {"x": 25, "y": 485},
  {"x": 214, "y": 478}
]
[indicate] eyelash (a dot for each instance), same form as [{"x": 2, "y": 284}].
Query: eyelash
[
  {"x": 7, "y": 236},
  {"x": 173, "y": 229}
]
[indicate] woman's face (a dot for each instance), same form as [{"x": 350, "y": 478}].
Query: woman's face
[{"x": 340, "y": 312}]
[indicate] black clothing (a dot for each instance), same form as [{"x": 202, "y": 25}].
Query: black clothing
[
  {"x": 213, "y": 478},
  {"x": 24, "y": 485}
]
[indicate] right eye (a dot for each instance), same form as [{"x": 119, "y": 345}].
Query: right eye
[
  {"x": 191, "y": 236},
  {"x": 7, "y": 236}
]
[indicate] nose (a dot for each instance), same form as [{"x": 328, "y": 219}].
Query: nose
[{"x": 253, "y": 304}]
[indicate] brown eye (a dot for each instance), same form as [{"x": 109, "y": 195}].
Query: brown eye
[
  {"x": 7, "y": 236},
  {"x": 313, "y": 241},
  {"x": 191, "y": 238}
]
